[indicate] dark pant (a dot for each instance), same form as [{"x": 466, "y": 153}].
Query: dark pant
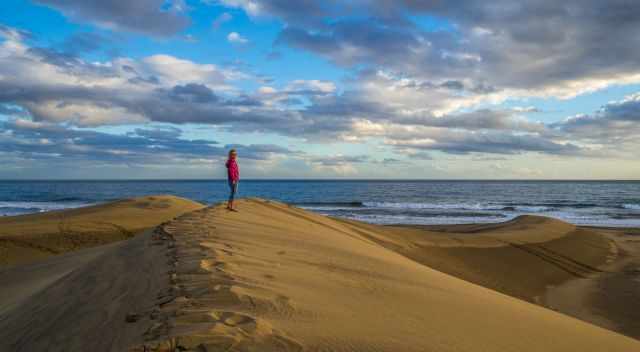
[{"x": 234, "y": 188}]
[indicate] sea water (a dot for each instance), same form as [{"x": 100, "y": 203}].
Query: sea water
[{"x": 602, "y": 203}]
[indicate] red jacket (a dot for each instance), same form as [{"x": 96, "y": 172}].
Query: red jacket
[{"x": 233, "y": 172}]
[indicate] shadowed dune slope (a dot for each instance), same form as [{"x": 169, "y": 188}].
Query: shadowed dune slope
[
  {"x": 27, "y": 238},
  {"x": 586, "y": 272},
  {"x": 79, "y": 301},
  {"x": 521, "y": 257},
  {"x": 274, "y": 278}
]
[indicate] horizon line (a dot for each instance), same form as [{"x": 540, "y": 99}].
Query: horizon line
[{"x": 317, "y": 179}]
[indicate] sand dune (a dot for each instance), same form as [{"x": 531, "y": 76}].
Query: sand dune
[
  {"x": 27, "y": 238},
  {"x": 277, "y": 278},
  {"x": 79, "y": 301},
  {"x": 520, "y": 257},
  {"x": 589, "y": 273}
]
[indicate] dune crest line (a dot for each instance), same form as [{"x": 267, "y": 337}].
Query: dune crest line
[{"x": 277, "y": 278}]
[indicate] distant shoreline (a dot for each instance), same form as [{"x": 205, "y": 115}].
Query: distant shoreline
[
  {"x": 324, "y": 180},
  {"x": 596, "y": 203}
]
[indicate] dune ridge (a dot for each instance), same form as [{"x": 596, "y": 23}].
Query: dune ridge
[
  {"x": 274, "y": 277},
  {"x": 28, "y": 238}
]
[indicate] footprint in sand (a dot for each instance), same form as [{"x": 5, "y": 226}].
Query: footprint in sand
[{"x": 213, "y": 265}]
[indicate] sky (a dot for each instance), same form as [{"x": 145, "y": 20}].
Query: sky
[{"x": 359, "y": 89}]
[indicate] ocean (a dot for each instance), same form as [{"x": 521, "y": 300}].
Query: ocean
[{"x": 601, "y": 203}]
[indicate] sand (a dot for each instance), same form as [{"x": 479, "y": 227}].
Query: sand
[
  {"x": 79, "y": 301},
  {"x": 586, "y": 272},
  {"x": 33, "y": 237},
  {"x": 521, "y": 257},
  {"x": 609, "y": 297},
  {"x": 277, "y": 278}
]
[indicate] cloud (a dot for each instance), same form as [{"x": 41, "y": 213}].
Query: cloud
[
  {"x": 153, "y": 17},
  {"x": 47, "y": 142},
  {"x": 348, "y": 43},
  {"x": 461, "y": 142},
  {"x": 221, "y": 19},
  {"x": 311, "y": 87},
  {"x": 421, "y": 78},
  {"x": 158, "y": 134},
  {"x": 406, "y": 115},
  {"x": 534, "y": 48},
  {"x": 262, "y": 151},
  {"x": 14, "y": 34},
  {"x": 192, "y": 93},
  {"x": 61, "y": 87},
  {"x": 342, "y": 165},
  {"x": 251, "y": 7},
  {"x": 288, "y": 10},
  {"x": 616, "y": 125},
  {"x": 338, "y": 160},
  {"x": 236, "y": 38}
]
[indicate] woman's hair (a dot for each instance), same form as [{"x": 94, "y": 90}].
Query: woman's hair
[{"x": 232, "y": 151}]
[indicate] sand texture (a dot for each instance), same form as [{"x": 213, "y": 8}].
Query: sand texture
[
  {"x": 276, "y": 278},
  {"x": 28, "y": 238},
  {"x": 79, "y": 301},
  {"x": 589, "y": 273}
]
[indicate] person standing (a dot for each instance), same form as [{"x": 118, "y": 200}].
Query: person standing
[{"x": 233, "y": 177}]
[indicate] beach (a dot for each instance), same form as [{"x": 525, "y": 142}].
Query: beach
[{"x": 274, "y": 277}]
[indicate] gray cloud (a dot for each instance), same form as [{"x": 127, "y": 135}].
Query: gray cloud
[
  {"x": 167, "y": 133},
  {"x": 615, "y": 123},
  {"x": 14, "y": 33},
  {"x": 46, "y": 141},
  {"x": 309, "y": 12},
  {"x": 352, "y": 42},
  {"x": 154, "y": 17},
  {"x": 338, "y": 160},
  {"x": 192, "y": 93},
  {"x": 458, "y": 142},
  {"x": 532, "y": 44},
  {"x": 482, "y": 119},
  {"x": 262, "y": 151}
]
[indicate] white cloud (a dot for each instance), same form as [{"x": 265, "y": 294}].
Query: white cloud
[
  {"x": 266, "y": 90},
  {"x": 83, "y": 113},
  {"x": 315, "y": 85},
  {"x": 54, "y": 86},
  {"x": 236, "y": 38},
  {"x": 251, "y": 7},
  {"x": 172, "y": 70}
]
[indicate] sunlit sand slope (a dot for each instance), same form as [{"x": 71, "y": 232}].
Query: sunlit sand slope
[
  {"x": 276, "y": 278},
  {"x": 27, "y": 238}
]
